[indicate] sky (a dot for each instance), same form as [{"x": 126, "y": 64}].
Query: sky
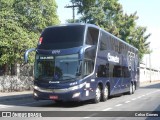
[{"x": 148, "y": 12}]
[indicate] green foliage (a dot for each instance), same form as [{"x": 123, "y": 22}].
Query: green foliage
[
  {"x": 109, "y": 15},
  {"x": 35, "y": 15},
  {"x": 21, "y": 22},
  {"x": 71, "y": 21}
]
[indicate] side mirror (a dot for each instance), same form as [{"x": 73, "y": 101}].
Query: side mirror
[{"x": 26, "y": 54}]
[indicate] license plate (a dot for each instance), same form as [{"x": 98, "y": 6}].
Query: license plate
[{"x": 53, "y": 97}]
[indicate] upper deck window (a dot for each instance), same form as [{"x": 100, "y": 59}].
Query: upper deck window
[
  {"x": 91, "y": 39},
  {"x": 62, "y": 37},
  {"x": 92, "y": 36}
]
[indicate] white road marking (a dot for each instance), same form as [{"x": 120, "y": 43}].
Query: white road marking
[
  {"x": 107, "y": 109},
  {"x": 148, "y": 93},
  {"x": 118, "y": 105},
  {"x": 127, "y": 101},
  {"x": 139, "y": 97},
  {"x": 90, "y": 116},
  {"x": 134, "y": 98}
]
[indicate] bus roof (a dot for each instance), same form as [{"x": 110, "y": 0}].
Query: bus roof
[{"x": 94, "y": 26}]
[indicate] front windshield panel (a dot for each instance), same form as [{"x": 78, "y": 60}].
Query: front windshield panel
[
  {"x": 62, "y": 37},
  {"x": 58, "y": 68}
]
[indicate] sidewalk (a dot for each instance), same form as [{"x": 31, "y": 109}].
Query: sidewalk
[
  {"x": 29, "y": 94},
  {"x": 15, "y": 95}
]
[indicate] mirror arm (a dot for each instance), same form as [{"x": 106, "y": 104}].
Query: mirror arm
[{"x": 26, "y": 54}]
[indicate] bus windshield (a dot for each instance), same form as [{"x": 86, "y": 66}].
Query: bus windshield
[
  {"x": 57, "y": 68},
  {"x": 62, "y": 37}
]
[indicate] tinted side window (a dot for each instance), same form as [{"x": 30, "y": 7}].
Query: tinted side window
[
  {"x": 88, "y": 67},
  {"x": 90, "y": 53},
  {"x": 103, "y": 71},
  {"x": 92, "y": 36},
  {"x": 103, "y": 41},
  {"x": 126, "y": 72},
  {"x": 117, "y": 71}
]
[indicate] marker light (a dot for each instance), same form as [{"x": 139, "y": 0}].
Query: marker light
[
  {"x": 35, "y": 94},
  {"x": 40, "y": 40},
  {"x": 76, "y": 95}
]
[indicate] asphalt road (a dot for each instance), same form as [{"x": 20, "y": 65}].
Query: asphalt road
[{"x": 142, "y": 102}]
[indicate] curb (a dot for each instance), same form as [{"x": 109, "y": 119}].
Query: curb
[{"x": 147, "y": 83}]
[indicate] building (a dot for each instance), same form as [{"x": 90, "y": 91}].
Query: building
[{"x": 148, "y": 74}]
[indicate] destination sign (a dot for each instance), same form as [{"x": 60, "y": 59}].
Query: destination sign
[{"x": 46, "y": 57}]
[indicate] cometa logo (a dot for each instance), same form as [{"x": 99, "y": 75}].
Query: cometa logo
[{"x": 114, "y": 59}]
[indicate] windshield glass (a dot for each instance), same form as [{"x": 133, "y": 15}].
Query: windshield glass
[
  {"x": 57, "y": 68},
  {"x": 62, "y": 37}
]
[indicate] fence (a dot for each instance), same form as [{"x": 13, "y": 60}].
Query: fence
[
  {"x": 20, "y": 82},
  {"x": 149, "y": 74},
  {"x": 15, "y": 83}
]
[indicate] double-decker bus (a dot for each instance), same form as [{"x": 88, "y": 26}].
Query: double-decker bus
[{"x": 78, "y": 62}]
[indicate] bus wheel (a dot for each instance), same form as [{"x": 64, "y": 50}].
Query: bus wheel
[
  {"x": 133, "y": 88},
  {"x": 98, "y": 95},
  {"x": 105, "y": 94},
  {"x": 130, "y": 89}
]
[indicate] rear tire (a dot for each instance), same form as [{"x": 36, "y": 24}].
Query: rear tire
[
  {"x": 133, "y": 88},
  {"x": 98, "y": 95},
  {"x": 105, "y": 94},
  {"x": 130, "y": 89}
]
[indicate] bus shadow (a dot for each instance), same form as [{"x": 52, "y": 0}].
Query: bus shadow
[
  {"x": 77, "y": 104},
  {"x": 28, "y": 101},
  {"x": 69, "y": 104}
]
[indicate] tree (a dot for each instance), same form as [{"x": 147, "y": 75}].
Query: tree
[
  {"x": 71, "y": 21},
  {"x": 109, "y": 15},
  {"x": 35, "y": 15},
  {"x": 20, "y": 25},
  {"x": 140, "y": 41}
]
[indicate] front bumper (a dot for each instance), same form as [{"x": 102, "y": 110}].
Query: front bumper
[{"x": 70, "y": 94}]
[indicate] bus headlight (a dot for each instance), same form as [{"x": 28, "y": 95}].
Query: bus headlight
[
  {"x": 36, "y": 87},
  {"x": 76, "y": 95}
]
